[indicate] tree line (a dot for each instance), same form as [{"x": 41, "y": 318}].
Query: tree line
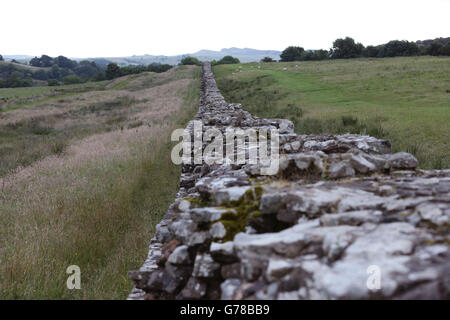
[
  {"x": 347, "y": 48},
  {"x": 194, "y": 61},
  {"x": 63, "y": 70},
  {"x": 114, "y": 71}
]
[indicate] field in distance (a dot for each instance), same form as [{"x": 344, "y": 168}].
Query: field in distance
[
  {"x": 404, "y": 99},
  {"x": 85, "y": 175}
]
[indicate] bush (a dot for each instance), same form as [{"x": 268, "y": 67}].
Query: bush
[
  {"x": 123, "y": 71},
  {"x": 446, "y": 50},
  {"x": 190, "y": 61},
  {"x": 371, "y": 51},
  {"x": 15, "y": 80},
  {"x": 397, "y": 48},
  {"x": 346, "y": 48},
  {"x": 434, "y": 49},
  {"x": 314, "y": 55},
  {"x": 44, "y": 61},
  {"x": 99, "y": 76},
  {"x": 227, "y": 60},
  {"x": 40, "y": 75},
  {"x": 319, "y": 55},
  {"x": 112, "y": 71},
  {"x": 158, "y": 68},
  {"x": 72, "y": 79},
  {"x": 64, "y": 62},
  {"x": 267, "y": 59},
  {"x": 438, "y": 49},
  {"x": 52, "y": 83},
  {"x": 292, "y": 54},
  {"x": 87, "y": 69}
]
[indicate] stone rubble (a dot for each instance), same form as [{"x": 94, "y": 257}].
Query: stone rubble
[{"x": 338, "y": 206}]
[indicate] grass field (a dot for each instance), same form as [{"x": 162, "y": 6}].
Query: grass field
[
  {"x": 23, "y": 66},
  {"x": 405, "y": 100},
  {"x": 16, "y": 98},
  {"x": 84, "y": 179}
]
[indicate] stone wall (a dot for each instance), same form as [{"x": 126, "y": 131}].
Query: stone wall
[{"x": 342, "y": 210}]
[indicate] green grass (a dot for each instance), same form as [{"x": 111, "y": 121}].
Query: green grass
[
  {"x": 406, "y": 99},
  {"x": 124, "y": 83},
  {"x": 16, "y": 98},
  {"x": 95, "y": 207}
]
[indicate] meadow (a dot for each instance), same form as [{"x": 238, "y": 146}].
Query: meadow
[
  {"x": 403, "y": 99},
  {"x": 84, "y": 178},
  {"x": 16, "y": 98}
]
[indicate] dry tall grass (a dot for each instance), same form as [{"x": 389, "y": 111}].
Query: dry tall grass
[{"x": 96, "y": 204}]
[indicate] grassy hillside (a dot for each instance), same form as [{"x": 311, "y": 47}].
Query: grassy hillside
[
  {"x": 16, "y": 98},
  {"x": 406, "y": 100},
  {"x": 84, "y": 178},
  {"x": 21, "y": 66}
]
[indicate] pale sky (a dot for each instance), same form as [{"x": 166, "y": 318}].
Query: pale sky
[{"x": 98, "y": 28}]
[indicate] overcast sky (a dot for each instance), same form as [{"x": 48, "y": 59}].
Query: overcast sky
[{"x": 94, "y": 28}]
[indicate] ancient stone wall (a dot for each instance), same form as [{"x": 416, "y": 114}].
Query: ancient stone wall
[{"x": 341, "y": 211}]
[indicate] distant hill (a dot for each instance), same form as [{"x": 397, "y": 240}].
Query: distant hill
[
  {"x": 18, "y": 57},
  {"x": 244, "y": 55},
  {"x": 20, "y": 66}
]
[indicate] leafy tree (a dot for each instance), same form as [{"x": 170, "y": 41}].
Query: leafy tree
[
  {"x": 87, "y": 69},
  {"x": 158, "y": 68},
  {"x": 267, "y": 59},
  {"x": 65, "y": 72},
  {"x": 313, "y": 55},
  {"x": 112, "y": 71},
  {"x": 423, "y": 50},
  {"x": 292, "y": 54},
  {"x": 100, "y": 76},
  {"x": 55, "y": 72},
  {"x": 346, "y": 48},
  {"x": 396, "y": 48},
  {"x": 190, "y": 61},
  {"x": 307, "y": 55},
  {"x": 445, "y": 51},
  {"x": 371, "y": 51},
  {"x": 15, "y": 80},
  {"x": 228, "y": 60},
  {"x": 35, "y": 62},
  {"x": 320, "y": 55},
  {"x": 1, "y": 58},
  {"x": 72, "y": 79},
  {"x": 435, "y": 48},
  {"x": 46, "y": 61},
  {"x": 64, "y": 62},
  {"x": 40, "y": 75},
  {"x": 52, "y": 83}
]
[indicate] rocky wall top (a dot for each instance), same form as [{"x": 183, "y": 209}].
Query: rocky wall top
[{"x": 342, "y": 213}]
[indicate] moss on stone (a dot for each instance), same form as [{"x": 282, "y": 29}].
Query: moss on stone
[
  {"x": 198, "y": 202},
  {"x": 247, "y": 206}
]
